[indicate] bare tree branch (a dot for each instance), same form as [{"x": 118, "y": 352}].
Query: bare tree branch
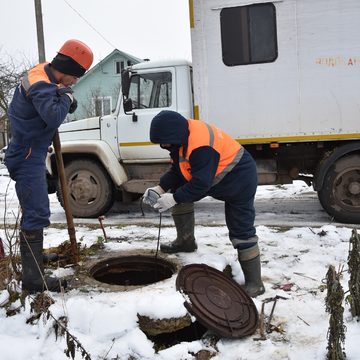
[{"x": 10, "y": 74}]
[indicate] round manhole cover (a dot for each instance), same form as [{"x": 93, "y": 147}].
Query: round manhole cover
[
  {"x": 217, "y": 301},
  {"x": 132, "y": 270}
]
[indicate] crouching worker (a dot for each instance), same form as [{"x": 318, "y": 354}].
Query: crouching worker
[
  {"x": 40, "y": 104},
  {"x": 208, "y": 162}
]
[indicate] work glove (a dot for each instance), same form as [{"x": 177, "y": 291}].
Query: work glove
[
  {"x": 65, "y": 90},
  {"x": 68, "y": 91},
  {"x": 165, "y": 202},
  {"x": 73, "y": 106},
  {"x": 152, "y": 194}
]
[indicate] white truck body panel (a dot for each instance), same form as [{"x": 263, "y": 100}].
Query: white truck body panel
[
  {"x": 309, "y": 92},
  {"x": 101, "y": 150},
  {"x": 85, "y": 129}
]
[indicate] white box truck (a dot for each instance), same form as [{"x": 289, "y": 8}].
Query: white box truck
[{"x": 282, "y": 77}]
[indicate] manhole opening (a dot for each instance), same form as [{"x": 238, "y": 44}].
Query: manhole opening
[
  {"x": 193, "y": 332},
  {"x": 132, "y": 270}
]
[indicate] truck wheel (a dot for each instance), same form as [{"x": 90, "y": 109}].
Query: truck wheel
[
  {"x": 340, "y": 194},
  {"x": 90, "y": 189}
]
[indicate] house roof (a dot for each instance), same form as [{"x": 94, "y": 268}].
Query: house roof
[{"x": 132, "y": 58}]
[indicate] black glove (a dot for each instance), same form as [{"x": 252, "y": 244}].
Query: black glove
[
  {"x": 69, "y": 92},
  {"x": 64, "y": 90},
  {"x": 73, "y": 106}
]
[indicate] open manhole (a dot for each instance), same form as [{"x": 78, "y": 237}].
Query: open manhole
[
  {"x": 193, "y": 332},
  {"x": 132, "y": 270},
  {"x": 165, "y": 333}
]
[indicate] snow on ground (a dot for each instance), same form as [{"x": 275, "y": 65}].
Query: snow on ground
[{"x": 106, "y": 323}]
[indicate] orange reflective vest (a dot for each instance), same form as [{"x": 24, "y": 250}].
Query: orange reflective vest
[
  {"x": 34, "y": 75},
  {"x": 203, "y": 134}
]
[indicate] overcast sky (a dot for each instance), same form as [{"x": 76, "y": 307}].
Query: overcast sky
[{"x": 154, "y": 29}]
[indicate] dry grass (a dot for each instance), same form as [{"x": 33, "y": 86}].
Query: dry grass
[{"x": 9, "y": 270}]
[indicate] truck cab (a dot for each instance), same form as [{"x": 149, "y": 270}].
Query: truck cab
[{"x": 111, "y": 158}]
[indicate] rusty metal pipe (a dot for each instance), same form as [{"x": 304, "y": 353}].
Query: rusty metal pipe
[{"x": 65, "y": 197}]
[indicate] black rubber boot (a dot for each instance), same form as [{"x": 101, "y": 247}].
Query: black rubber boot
[
  {"x": 51, "y": 257},
  {"x": 250, "y": 264},
  {"x": 184, "y": 219},
  {"x": 31, "y": 247}
]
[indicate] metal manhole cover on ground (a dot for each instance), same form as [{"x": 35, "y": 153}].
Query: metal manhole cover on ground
[{"x": 217, "y": 301}]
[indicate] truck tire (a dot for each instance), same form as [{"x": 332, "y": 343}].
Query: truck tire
[
  {"x": 340, "y": 193},
  {"x": 90, "y": 189}
]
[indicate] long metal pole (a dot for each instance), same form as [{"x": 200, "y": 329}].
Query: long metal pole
[
  {"x": 65, "y": 197},
  {"x": 40, "y": 31}
]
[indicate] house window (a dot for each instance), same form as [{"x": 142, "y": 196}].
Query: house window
[
  {"x": 119, "y": 67},
  {"x": 102, "y": 105},
  {"x": 152, "y": 90},
  {"x": 248, "y": 34}
]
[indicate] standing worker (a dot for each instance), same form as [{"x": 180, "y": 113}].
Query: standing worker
[
  {"x": 208, "y": 162},
  {"x": 40, "y": 104}
]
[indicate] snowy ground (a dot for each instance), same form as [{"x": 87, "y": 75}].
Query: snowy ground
[{"x": 106, "y": 322}]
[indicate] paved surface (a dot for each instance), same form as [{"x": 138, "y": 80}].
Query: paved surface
[
  {"x": 302, "y": 211},
  {"x": 275, "y": 206}
]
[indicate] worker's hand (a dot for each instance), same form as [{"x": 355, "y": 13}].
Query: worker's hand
[
  {"x": 165, "y": 202},
  {"x": 68, "y": 91},
  {"x": 152, "y": 194},
  {"x": 73, "y": 106},
  {"x": 64, "y": 90}
]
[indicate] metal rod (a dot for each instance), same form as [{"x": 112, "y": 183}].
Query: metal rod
[
  {"x": 39, "y": 31},
  {"x": 65, "y": 197},
  {"x": 101, "y": 218},
  {"x": 158, "y": 239},
  {"x": 268, "y": 325}
]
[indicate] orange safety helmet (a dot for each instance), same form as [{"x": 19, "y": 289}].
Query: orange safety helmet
[{"x": 79, "y": 52}]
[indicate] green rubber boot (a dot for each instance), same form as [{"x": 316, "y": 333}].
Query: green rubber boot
[
  {"x": 184, "y": 219},
  {"x": 250, "y": 264}
]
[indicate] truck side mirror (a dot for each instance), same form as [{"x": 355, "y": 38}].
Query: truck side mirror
[
  {"x": 125, "y": 82},
  {"x": 128, "y": 105}
]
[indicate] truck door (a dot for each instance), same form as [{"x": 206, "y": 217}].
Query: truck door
[{"x": 151, "y": 91}]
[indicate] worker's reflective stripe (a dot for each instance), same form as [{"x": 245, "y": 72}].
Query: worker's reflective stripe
[
  {"x": 25, "y": 83},
  {"x": 229, "y": 167},
  {"x": 211, "y": 133}
]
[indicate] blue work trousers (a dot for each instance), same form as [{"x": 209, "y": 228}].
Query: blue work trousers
[
  {"x": 26, "y": 166},
  {"x": 237, "y": 190}
]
